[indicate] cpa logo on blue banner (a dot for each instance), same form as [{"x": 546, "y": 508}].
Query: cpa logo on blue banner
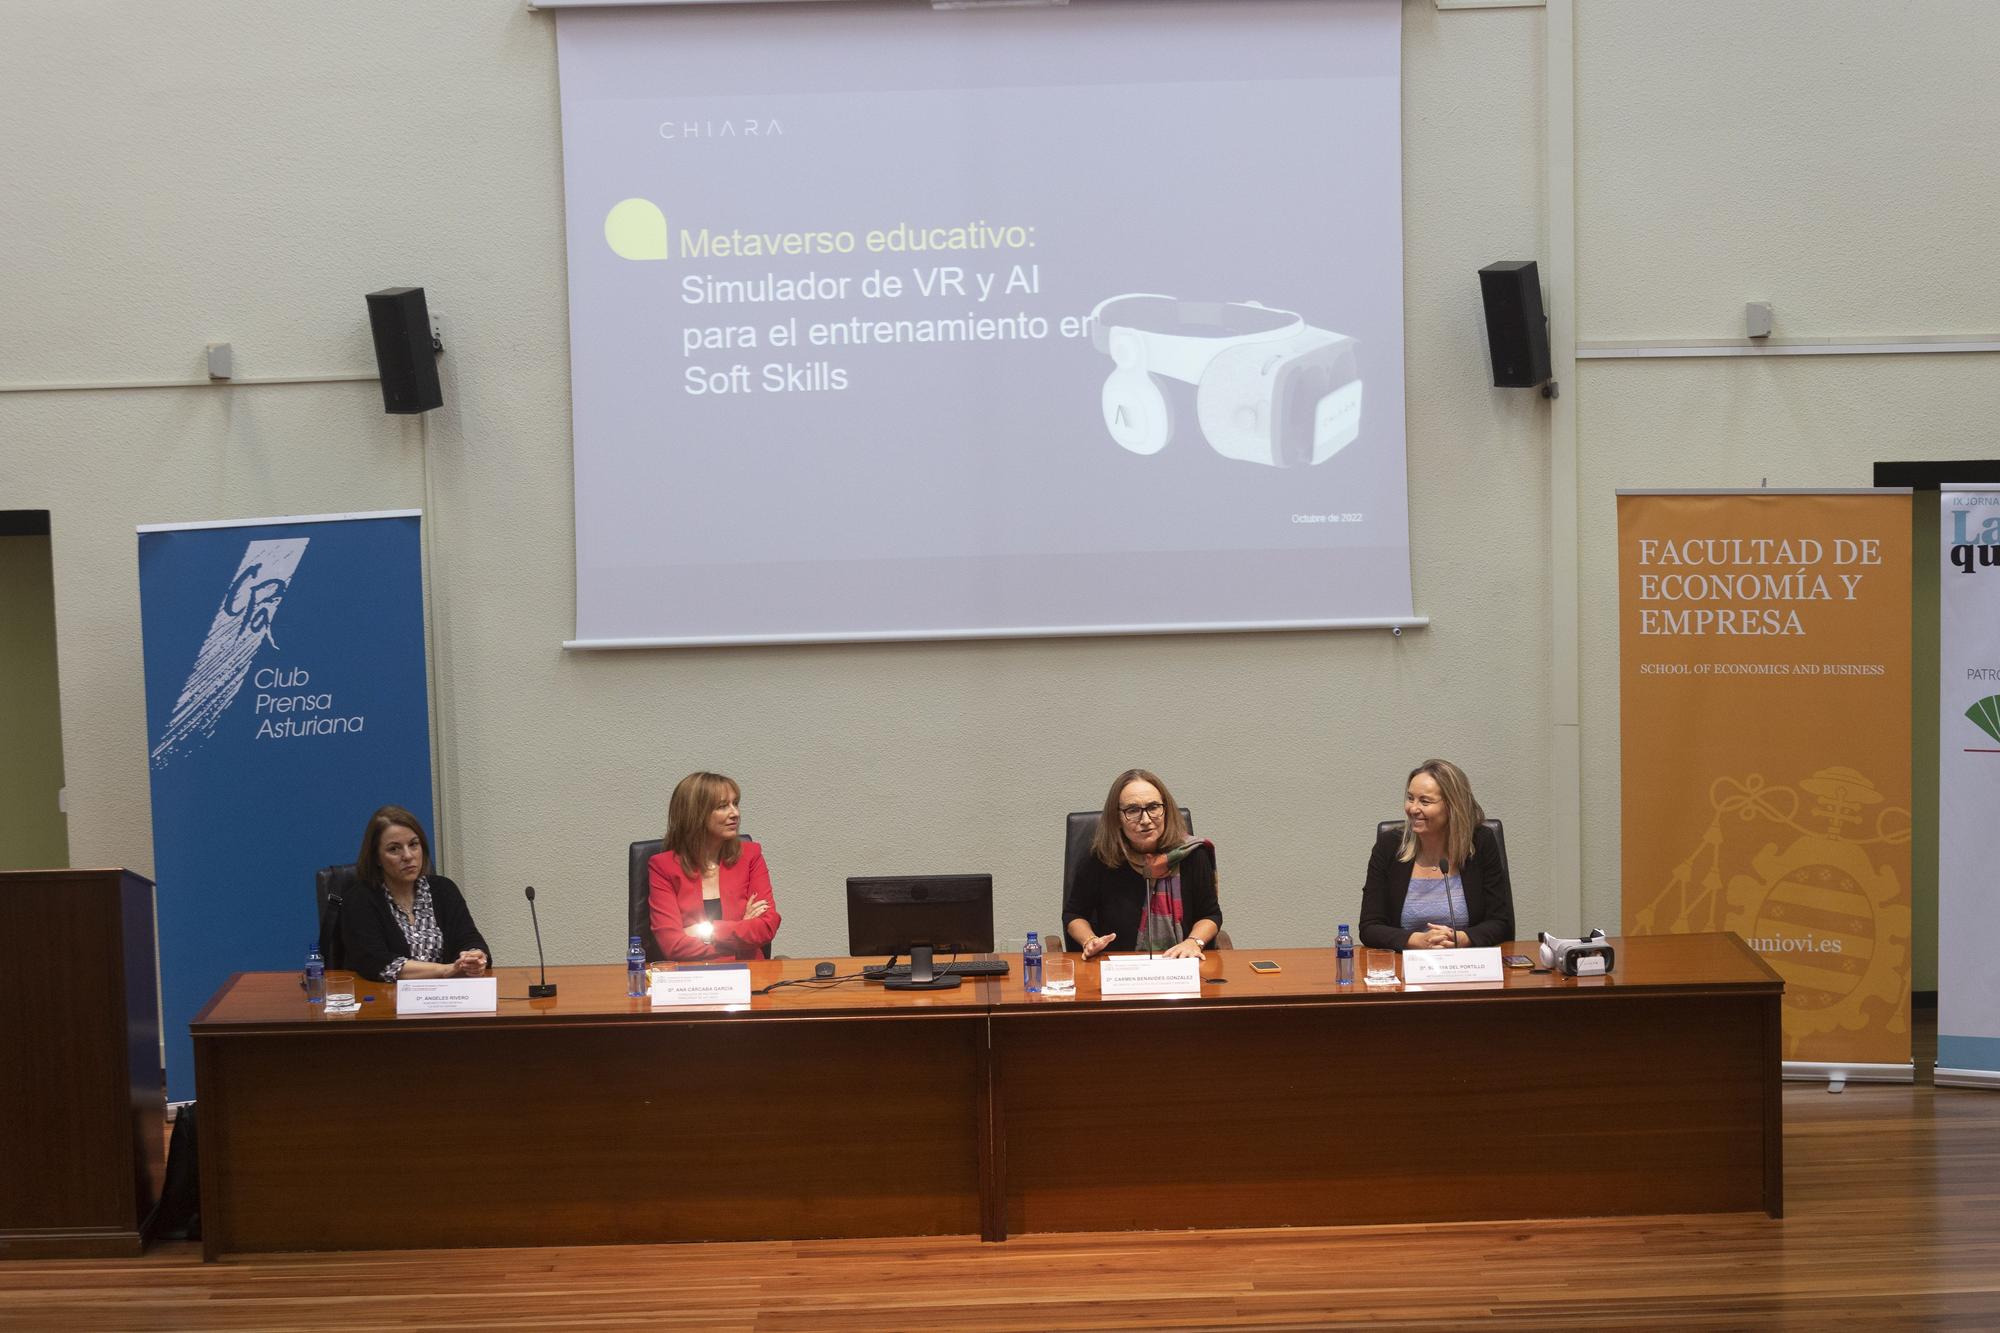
[
  {"x": 241, "y": 626},
  {"x": 285, "y": 699}
]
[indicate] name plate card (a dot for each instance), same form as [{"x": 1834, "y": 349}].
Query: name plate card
[
  {"x": 449, "y": 995},
  {"x": 701, "y": 985},
  {"x": 1430, "y": 966},
  {"x": 1149, "y": 976}
]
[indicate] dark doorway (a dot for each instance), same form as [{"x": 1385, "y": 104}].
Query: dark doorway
[{"x": 35, "y": 833}]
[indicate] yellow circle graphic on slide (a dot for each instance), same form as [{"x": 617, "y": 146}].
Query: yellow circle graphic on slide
[{"x": 636, "y": 229}]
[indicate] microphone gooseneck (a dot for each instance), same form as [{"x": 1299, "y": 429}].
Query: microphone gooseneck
[{"x": 544, "y": 990}]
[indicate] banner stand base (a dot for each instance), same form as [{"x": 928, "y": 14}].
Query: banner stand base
[
  {"x": 1838, "y": 1074},
  {"x": 1966, "y": 1078}
]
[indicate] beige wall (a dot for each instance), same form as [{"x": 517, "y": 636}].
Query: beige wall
[
  {"x": 225, "y": 171},
  {"x": 1835, "y": 159}
]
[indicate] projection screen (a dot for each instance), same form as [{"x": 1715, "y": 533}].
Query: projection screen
[{"x": 890, "y": 322}]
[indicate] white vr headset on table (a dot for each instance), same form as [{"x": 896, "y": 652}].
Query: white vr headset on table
[
  {"x": 1269, "y": 388},
  {"x": 1590, "y": 956}
]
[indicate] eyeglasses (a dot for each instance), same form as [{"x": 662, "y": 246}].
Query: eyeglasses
[{"x": 1142, "y": 814}]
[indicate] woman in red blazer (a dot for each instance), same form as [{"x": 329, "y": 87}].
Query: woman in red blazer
[{"x": 710, "y": 895}]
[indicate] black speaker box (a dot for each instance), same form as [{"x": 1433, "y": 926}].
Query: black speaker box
[
  {"x": 401, "y": 323},
  {"x": 1517, "y": 330}
]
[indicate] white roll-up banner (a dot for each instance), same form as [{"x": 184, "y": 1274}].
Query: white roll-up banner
[
  {"x": 1969, "y": 787},
  {"x": 895, "y": 322}
]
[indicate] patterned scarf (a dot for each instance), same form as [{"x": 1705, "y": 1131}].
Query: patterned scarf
[{"x": 1160, "y": 924}]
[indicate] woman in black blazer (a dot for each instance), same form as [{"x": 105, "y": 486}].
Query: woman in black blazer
[
  {"x": 405, "y": 922},
  {"x": 1440, "y": 883}
]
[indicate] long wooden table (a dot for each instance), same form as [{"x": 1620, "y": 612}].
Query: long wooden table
[{"x": 843, "y": 1110}]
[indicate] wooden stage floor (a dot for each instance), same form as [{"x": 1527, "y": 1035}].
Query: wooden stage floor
[{"x": 1893, "y": 1221}]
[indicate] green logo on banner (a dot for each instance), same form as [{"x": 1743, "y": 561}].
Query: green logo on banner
[{"x": 1986, "y": 715}]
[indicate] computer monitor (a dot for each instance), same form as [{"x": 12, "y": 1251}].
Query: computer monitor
[{"x": 920, "y": 915}]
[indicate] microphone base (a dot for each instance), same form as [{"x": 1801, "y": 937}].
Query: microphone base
[{"x": 545, "y": 991}]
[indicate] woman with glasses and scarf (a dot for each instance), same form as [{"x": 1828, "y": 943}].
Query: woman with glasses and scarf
[{"x": 1148, "y": 885}]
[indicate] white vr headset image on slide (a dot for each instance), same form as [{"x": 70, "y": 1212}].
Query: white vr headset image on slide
[{"x": 1269, "y": 388}]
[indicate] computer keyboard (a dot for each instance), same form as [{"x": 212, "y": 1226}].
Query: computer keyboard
[{"x": 968, "y": 967}]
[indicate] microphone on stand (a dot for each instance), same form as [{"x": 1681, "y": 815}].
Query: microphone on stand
[{"x": 546, "y": 990}]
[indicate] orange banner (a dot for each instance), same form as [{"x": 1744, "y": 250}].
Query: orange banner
[{"x": 1764, "y": 717}]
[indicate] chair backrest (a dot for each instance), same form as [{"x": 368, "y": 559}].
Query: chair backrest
[
  {"x": 1499, "y": 836},
  {"x": 1080, "y": 829},
  {"x": 638, "y": 888},
  {"x": 332, "y": 886},
  {"x": 638, "y": 885}
]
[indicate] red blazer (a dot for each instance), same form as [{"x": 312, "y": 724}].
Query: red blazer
[{"x": 675, "y": 901}]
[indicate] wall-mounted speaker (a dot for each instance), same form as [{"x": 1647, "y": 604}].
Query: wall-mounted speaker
[
  {"x": 1517, "y": 330},
  {"x": 401, "y": 323}
]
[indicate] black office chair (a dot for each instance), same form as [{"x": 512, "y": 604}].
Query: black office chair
[
  {"x": 332, "y": 886},
  {"x": 639, "y": 916},
  {"x": 1499, "y": 836},
  {"x": 1077, "y": 835},
  {"x": 638, "y": 888}
]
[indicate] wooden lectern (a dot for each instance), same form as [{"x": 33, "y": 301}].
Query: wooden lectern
[{"x": 82, "y": 1100}]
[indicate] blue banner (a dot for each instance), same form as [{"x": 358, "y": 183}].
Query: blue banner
[{"x": 285, "y": 701}]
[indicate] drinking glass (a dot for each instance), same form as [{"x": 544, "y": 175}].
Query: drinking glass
[
  {"x": 1381, "y": 967},
  {"x": 1059, "y": 974},
  {"x": 340, "y": 992}
]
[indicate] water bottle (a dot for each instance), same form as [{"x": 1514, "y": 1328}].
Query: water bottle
[
  {"x": 1343, "y": 954},
  {"x": 315, "y": 976},
  {"x": 635, "y": 969},
  {"x": 1031, "y": 965}
]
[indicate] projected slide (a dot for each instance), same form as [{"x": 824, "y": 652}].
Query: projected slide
[{"x": 888, "y": 322}]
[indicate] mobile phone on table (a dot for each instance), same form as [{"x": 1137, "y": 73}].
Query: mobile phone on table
[
  {"x": 1518, "y": 960},
  {"x": 1265, "y": 965}
]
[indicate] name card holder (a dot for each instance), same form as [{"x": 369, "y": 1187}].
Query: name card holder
[
  {"x": 1439, "y": 966},
  {"x": 1149, "y": 976},
  {"x": 701, "y": 985},
  {"x": 449, "y": 995}
]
